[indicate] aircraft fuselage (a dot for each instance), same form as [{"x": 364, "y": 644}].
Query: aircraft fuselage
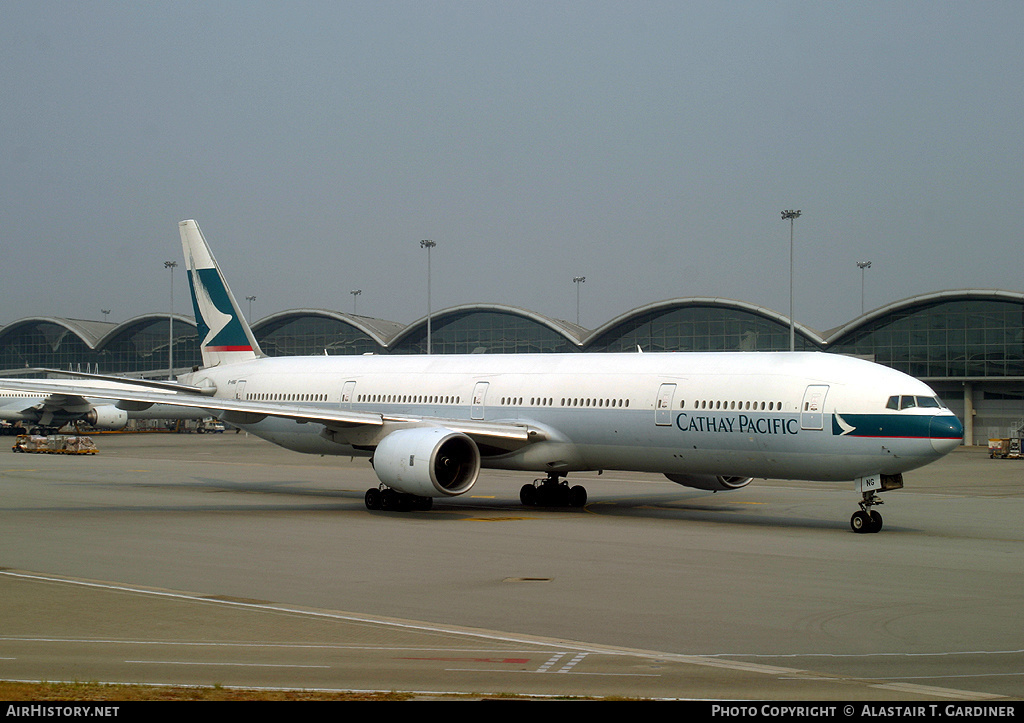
[{"x": 807, "y": 416}]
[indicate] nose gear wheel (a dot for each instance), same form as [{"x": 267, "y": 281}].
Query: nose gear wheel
[{"x": 865, "y": 519}]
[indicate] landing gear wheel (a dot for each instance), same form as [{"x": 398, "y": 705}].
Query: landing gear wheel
[
  {"x": 864, "y": 522},
  {"x": 557, "y": 495},
  {"x": 867, "y": 519},
  {"x": 393, "y": 501},
  {"x": 578, "y": 496},
  {"x": 552, "y": 492}
]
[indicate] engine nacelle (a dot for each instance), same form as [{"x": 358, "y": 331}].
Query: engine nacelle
[
  {"x": 427, "y": 461},
  {"x": 710, "y": 482},
  {"x": 107, "y": 417}
]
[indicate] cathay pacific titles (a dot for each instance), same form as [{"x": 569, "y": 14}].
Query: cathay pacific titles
[{"x": 741, "y": 424}]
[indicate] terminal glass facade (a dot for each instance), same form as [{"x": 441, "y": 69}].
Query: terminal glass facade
[
  {"x": 142, "y": 347},
  {"x": 961, "y": 339},
  {"x": 699, "y": 328},
  {"x": 43, "y": 344}
]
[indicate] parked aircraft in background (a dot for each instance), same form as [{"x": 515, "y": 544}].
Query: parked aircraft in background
[
  {"x": 64, "y": 406},
  {"x": 710, "y": 421}
]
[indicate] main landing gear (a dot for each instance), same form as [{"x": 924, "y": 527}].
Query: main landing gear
[
  {"x": 866, "y": 519},
  {"x": 552, "y": 492},
  {"x": 391, "y": 500}
]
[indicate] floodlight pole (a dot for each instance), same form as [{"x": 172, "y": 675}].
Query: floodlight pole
[
  {"x": 791, "y": 216},
  {"x": 170, "y": 323},
  {"x": 355, "y": 294},
  {"x": 427, "y": 244},
  {"x": 578, "y": 280},
  {"x": 862, "y": 265},
  {"x": 250, "y": 299}
]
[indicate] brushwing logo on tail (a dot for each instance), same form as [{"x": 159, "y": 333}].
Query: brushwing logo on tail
[{"x": 220, "y": 328}]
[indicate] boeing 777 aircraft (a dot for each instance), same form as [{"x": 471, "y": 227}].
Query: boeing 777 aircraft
[{"x": 711, "y": 421}]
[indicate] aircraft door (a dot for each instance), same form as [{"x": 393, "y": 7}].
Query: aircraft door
[
  {"x": 663, "y": 405},
  {"x": 240, "y": 389},
  {"x": 479, "y": 397},
  {"x": 347, "y": 394},
  {"x": 812, "y": 414}
]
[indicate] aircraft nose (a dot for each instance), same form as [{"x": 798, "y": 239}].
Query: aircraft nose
[{"x": 946, "y": 433}]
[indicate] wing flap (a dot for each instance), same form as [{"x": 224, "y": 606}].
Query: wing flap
[{"x": 64, "y": 402}]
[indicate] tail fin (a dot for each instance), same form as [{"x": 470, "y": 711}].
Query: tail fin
[{"x": 225, "y": 337}]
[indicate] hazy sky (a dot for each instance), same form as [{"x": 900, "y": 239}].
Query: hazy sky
[{"x": 649, "y": 146}]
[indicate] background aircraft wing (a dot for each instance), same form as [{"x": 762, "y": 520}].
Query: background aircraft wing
[
  {"x": 107, "y": 380},
  {"x": 342, "y": 423}
]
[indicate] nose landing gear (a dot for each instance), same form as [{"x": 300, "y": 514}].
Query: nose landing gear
[{"x": 866, "y": 519}]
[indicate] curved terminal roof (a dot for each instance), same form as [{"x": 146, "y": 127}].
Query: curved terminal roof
[
  {"x": 920, "y": 303},
  {"x": 88, "y": 332},
  {"x": 956, "y": 334},
  {"x": 967, "y": 334},
  {"x": 487, "y": 328},
  {"x": 137, "y": 344},
  {"x": 94, "y": 334},
  {"x": 312, "y": 331},
  {"x": 701, "y": 323}
]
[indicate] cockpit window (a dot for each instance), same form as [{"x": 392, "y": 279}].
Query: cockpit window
[{"x": 910, "y": 402}]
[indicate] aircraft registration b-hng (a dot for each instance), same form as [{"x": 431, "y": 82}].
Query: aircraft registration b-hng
[{"x": 429, "y": 423}]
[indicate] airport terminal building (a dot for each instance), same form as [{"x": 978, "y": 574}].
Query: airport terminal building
[{"x": 967, "y": 344}]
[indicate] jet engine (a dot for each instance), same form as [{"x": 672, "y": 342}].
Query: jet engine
[
  {"x": 710, "y": 482},
  {"x": 427, "y": 461},
  {"x": 107, "y": 417}
]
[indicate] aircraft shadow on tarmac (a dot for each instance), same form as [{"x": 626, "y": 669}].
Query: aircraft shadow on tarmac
[{"x": 653, "y": 506}]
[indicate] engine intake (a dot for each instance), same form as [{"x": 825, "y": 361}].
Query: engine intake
[
  {"x": 710, "y": 482},
  {"x": 427, "y": 461}
]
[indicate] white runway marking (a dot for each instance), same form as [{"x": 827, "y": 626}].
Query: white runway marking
[
  {"x": 224, "y": 664},
  {"x": 582, "y": 650}
]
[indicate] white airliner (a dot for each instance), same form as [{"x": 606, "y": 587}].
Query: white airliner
[{"x": 429, "y": 424}]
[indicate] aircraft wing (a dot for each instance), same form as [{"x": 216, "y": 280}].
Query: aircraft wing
[
  {"x": 107, "y": 380},
  {"x": 344, "y": 425}
]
